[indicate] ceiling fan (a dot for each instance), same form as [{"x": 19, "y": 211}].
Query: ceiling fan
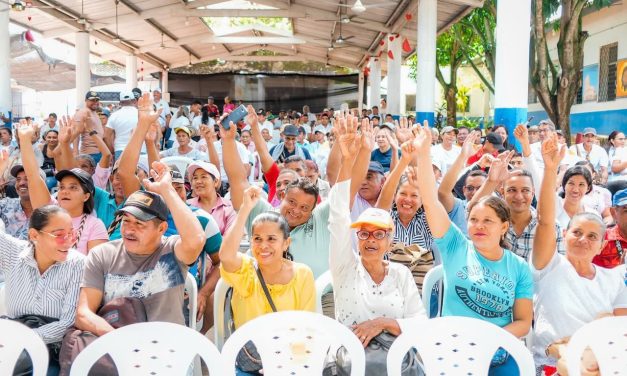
[
  {"x": 82, "y": 20},
  {"x": 344, "y": 18},
  {"x": 340, "y": 39},
  {"x": 19, "y": 5},
  {"x": 117, "y": 39},
  {"x": 359, "y": 7},
  {"x": 162, "y": 46}
]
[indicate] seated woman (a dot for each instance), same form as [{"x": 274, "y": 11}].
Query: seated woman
[
  {"x": 570, "y": 290},
  {"x": 76, "y": 196},
  {"x": 482, "y": 278},
  {"x": 185, "y": 147},
  {"x": 576, "y": 184},
  {"x": 43, "y": 277},
  {"x": 291, "y": 284},
  {"x": 371, "y": 294}
]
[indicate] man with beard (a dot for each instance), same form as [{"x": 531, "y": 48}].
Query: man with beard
[{"x": 84, "y": 119}]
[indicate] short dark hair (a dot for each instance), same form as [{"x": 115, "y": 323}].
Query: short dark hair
[
  {"x": 577, "y": 171},
  {"x": 41, "y": 216},
  {"x": 196, "y": 101},
  {"x": 52, "y": 114},
  {"x": 306, "y": 186},
  {"x": 294, "y": 158},
  {"x": 475, "y": 173},
  {"x": 274, "y": 217}
]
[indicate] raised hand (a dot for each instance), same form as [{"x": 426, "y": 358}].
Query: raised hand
[
  {"x": 468, "y": 145},
  {"x": 251, "y": 118},
  {"x": 4, "y": 161},
  {"x": 147, "y": 114},
  {"x": 207, "y": 132},
  {"x": 522, "y": 134},
  {"x": 65, "y": 129},
  {"x": 228, "y": 134},
  {"x": 25, "y": 131},
  {"x": 392, "y": 140},
  {"x": 486, "y": 160},
  {"x": 412, "y": 175},
  {"x": 251, "y": 196},
  {"x": 498, "y": 170},
  {"x": 160, "y": 173},
  {"x": 408, "y": 152},
  {"x": 423, "y": 139},
  {"x": 404, "y": 131},
  {"x": 367, "y": 136},
  {"x": 552, "y": 152},
  {"x": 153, "y": 132},
  {"x": 349, "y": 144}
]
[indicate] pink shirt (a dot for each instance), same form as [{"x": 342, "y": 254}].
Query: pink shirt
[
  {"x": 93, "y": 229},
  {"x": 222, "y": 212},
  {"x": 101, "y": 177}
]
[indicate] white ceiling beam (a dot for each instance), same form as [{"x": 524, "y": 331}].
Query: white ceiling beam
[
  {"x": 470, "y": 3},
  {"x": 257, "y": 27}
]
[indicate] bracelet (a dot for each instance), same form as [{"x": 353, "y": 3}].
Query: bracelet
[{"x": 93, "y": 133}]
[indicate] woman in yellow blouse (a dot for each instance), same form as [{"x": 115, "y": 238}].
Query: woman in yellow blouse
[{"x": 291, "y": 284}]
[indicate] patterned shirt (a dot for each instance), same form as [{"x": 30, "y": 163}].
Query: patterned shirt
[
  {"x": 28, "y": 292},
  {"x": 522, "y": 245},
  {"x": 416, "y": 232},
  {"x": 14, "y": 218}
]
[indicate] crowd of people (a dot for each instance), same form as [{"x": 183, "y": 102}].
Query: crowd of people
[{"x": 98, "y": 212}]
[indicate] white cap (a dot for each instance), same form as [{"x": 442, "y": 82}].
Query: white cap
[
  {"x": 320, "y": 128},
  {"x": 209, "y": 167},
  {"x": 126, "y": 95}
]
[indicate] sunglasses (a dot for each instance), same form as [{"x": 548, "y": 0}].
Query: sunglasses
[
  {"x": 61, "y": 237},
  {"x": 377, "y": 234}
]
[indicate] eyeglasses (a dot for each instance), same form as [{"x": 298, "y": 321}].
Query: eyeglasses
[
  {"x": 472, "y": 188},
  {"x": 61, "y": 236},
  {"x": 377, "y": 234}
]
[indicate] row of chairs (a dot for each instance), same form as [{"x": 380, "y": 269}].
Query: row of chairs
[{"x": 297, "y": 343}]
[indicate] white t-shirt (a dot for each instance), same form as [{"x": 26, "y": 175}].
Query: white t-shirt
[
  {"x": 564, "y": 302},
  {"x": 598, "y": 199},
  {"x": 619, "y": 155},
  {"x": 446, "y": 158},
  {"x": 123, "y": 122},
  {"x": 597, "y": 156},
  {"x": 166, "y": 111},
  {"x": 570, "y": 157},
  {"x": 244, "y": 154},
  {"x": 180, "y": 121},
  {"x": 562, "y": 217}
]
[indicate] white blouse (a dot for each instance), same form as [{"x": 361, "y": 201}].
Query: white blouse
[{"x": 357, "y": 297}]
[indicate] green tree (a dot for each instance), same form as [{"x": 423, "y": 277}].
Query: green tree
[{"x": 557, "y": 82}]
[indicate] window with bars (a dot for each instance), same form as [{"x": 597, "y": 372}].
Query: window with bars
[{"x": 607, "y": 72}]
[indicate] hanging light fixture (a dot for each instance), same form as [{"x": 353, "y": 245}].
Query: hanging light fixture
[{"x": 190, "y": 61}]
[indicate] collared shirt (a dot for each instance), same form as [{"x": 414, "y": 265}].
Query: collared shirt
[
  {"x": 416, "y": 232},
  {"x": 523, "y": 245},
  {"x": 222, "y": 212},
  {"x": 105, "y": 208},
  {"x": 14, "y": 218},
  {"x": 611, "y": 255},
  {"x": 28, "y": 292}
]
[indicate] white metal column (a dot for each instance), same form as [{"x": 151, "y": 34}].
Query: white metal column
[
  {"x": 425, "y": 85},
  {"x": 83, "y": 71},
  {"x": 6, "y": 101},
  {"x": 375, "y": 82},
  {"x": 394, "y": 75},
  {"x": 131, "y": 71}
]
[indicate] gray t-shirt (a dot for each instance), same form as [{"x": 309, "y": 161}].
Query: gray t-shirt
[{"x": 157, "y": 279}]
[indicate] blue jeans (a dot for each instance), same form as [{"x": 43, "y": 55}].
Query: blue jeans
[{"x": 96, "y": 157}]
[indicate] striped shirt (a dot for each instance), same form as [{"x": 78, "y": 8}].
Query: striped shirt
[
  {"x": 416, "y": 232},
  {"x": 52, "y": 294},
  {"x": 523, "y": 245}
]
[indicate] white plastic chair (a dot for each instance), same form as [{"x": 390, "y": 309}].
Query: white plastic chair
[
  {"x": 322, "y": 283},
  {"x": 293, "y": 343},
  {"x": 432, "y": 277},
  {"x": 150, "y": 348},
  {"x": 452, "y": 344},
  {"x": 219, "y": 301},
  {"x": 180, "y": 162},
  {"x": 3, "y": 306},
  {"x": 15, "y": 338},
  {"x": 607, "y": 339},
  {"x": 191, "y": 288}
]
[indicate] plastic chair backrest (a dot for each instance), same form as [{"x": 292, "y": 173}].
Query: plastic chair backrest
[
  {"x": 191, "y": 288},
  {"x": 15, "y": 338},
  {"x": 607, "y": 339},
  {"x": 322, "y": 283},
  {"x": 150, "y": 348},
  {"x": 180, "y": 162},
  {"x": 433, "y": 276},
  {"x": 219, "y": 305},
  {"x": 3, "y": 306},
  {"x": 452, "y": 344},
  {"x": 294, "y": 343}
]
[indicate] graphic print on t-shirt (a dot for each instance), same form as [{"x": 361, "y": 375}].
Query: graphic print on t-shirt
[
  {"x": 491, "y": 294},
  {"x": 165, "y": 275}
]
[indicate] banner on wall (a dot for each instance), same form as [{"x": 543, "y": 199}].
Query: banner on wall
[
  {"x": 590, "y": 83},
  {"x": 621, "y": 78}
]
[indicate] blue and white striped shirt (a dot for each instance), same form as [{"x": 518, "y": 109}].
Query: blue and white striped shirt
[{"x": 28, "y": 292}]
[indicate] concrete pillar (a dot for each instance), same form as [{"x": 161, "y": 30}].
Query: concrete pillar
[
  {"x": 512, "y": 64},
  {"x": 375, "y": 82},
  {"x": 165, "y": 90},
  {"x": 360, "y": 91},
  {"x": 394, "y": 76},
  {"x": 131, "y": 71},
  {"x": 425, "y": 85},
  {"x": 83, "y": 71},
  {"x": 6, "y": 101}
]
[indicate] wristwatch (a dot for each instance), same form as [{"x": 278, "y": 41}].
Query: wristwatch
[{"x": 93, "y": 133}]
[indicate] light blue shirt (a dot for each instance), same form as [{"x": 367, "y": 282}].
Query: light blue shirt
[
  {"x": 457, "y": 215},
  {"x": 477, "y": 287}
]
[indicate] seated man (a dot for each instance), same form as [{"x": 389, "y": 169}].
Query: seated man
[{"x": 143, "y": 264}]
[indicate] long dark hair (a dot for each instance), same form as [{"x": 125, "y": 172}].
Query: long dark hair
[{"x": 273, "y": 217}]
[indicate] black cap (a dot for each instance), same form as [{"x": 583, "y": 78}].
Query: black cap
[
  {"x": 290, "y": 130},
  {"x": 83, "y": 177},
  {"x": 261, "y": 111},
  {"x": 145, "y": 206},
  {"x": 92, "y": 96},
  {"x": 377, "y": 167},
  {"x": 496, "y": 140},
  {"x": 137, "y": 92}
]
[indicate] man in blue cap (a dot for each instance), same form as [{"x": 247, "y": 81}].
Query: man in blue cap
[{"x": 613, "y": 254}]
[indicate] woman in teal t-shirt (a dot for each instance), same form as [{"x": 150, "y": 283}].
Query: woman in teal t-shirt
[{"x": 482, "y": 279}]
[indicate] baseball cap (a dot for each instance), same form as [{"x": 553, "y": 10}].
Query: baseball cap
[
  {"x": 145, "y": 206},
  {"x": 534, "y": 128},
  {"x": 83, "y": 177},
  {"x": 92, "y": 96},
  {"x": 206, "y": 166},
  {"x": 291, "y": 130},
  {"x": 156, "y": 89},
  {"x": 184, "y": 129},
  {"x": 449, "y": 128},
  {"x": 321, "y": 129},
  {"x": 176, "y": 176},
  {"x": 496, "y": 140},
  {"x": 261, "y": 111},
  {"x": 589, "y": 130},
  {"x": 376, "y": 217},
  {"x": 620, "y": 198},
  {"x": 19, "y": 168},
  {"x": 142, "y": 163},
  {"x": 126, "y": 95},
  {"x": 375, "y": 166},
  {"x": 388, "y": 125}
]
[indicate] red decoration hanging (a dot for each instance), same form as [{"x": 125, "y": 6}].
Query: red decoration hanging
[
  {"x": 379, "y": 55},
  {"x": 30, "y": 18},
  {"x": 391, "y": 38},
  {"x": 391, "y": 54},
  {"x": 366, "y": 71},
  {"x": 408, "y": 16},
  {"x": 406, "y": 46},
  {"x": 381, "y": 42}
]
